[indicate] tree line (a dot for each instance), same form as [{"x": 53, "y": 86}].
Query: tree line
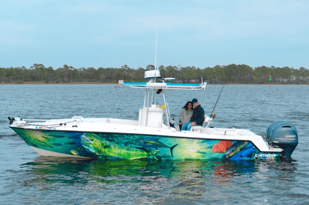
[{"x": 237, "y": 74}]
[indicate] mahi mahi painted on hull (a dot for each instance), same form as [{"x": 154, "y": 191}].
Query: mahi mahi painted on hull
[{"x": 136, "y": 146}]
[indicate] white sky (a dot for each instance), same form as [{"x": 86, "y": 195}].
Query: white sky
[{"x": 111, "y": 33}]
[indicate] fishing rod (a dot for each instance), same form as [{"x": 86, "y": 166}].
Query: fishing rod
[{"x": 212, "y": 113}]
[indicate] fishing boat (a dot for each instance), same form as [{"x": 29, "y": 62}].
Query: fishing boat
[{"x": 153, "y": 135}]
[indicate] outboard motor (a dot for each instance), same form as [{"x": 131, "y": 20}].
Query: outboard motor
[{"x": 284, "y": 135}]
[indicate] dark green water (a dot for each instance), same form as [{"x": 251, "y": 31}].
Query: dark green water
[{"x": 26, "y": 178}]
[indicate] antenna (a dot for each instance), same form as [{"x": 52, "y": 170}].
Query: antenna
[
  {"x": 156, "y": 52},
  {"x": 156, "y": 43}
]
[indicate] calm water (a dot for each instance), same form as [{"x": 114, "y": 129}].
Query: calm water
[{"x": 27, "y": 178}]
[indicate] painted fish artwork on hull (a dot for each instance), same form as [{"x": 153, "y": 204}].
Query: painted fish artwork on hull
[
  {"x": 135, "y": 146},
  {"x": 102, "y": 148},
  {"x": 62, "y": 142},
  {"x": 154, "y": 143}
]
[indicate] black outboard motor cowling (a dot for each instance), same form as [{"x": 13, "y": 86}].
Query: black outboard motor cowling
[{"x": 284, "y": 135}]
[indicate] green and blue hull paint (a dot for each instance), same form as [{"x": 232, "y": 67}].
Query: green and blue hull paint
[{"x": 138, "y": 146}]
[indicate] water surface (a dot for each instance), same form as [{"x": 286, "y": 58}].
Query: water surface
[{"x": 27, "y": 178}]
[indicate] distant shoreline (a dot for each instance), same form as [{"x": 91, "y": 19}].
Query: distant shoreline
[
  {"x": 40, "y": 83},
  {"x": 96, "y": 83}
]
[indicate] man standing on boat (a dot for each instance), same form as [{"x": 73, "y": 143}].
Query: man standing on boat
[{"x": 197, "y": 116}]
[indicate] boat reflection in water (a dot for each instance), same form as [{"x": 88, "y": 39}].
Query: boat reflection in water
[{"x": 144, "y": 181}]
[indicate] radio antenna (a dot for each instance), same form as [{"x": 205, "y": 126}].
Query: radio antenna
[{"x": 156, "y": 43}]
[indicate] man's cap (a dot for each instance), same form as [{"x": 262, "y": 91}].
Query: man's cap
[{"x": 194, "y": 100}]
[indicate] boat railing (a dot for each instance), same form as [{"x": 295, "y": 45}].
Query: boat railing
[
  {"x": 35, "y": 120},
  {"x": 46, "y": 123},
  {"x": 221, "y": 131},
  {"x": 49, "y": 123}
]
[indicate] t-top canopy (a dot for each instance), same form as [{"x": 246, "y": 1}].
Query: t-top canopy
[{"x": 163, "y": 85}]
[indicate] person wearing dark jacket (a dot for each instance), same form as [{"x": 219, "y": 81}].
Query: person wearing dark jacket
[{"x": 197, "y": 118}]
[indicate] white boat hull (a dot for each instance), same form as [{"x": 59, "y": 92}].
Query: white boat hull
[{"x": 106, "y": 139}]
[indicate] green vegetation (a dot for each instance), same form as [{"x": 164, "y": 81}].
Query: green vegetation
[{"x": 238, "y": 74}]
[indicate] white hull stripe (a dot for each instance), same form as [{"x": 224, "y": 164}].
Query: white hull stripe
[{"x": 55, "y": 154}]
